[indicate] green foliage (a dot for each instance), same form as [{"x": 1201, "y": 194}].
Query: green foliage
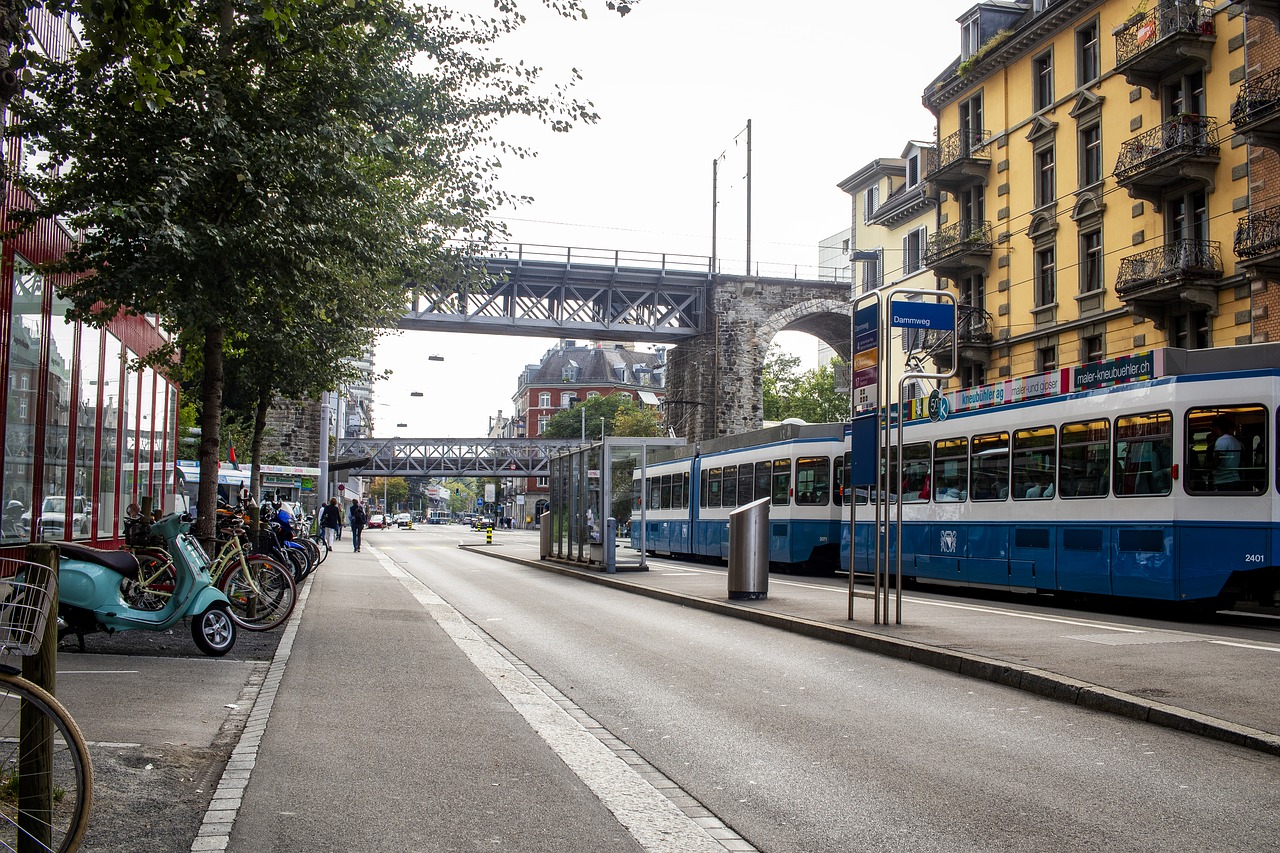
[
  {"x": 810, "y": 396},
  {"x": 621, "y": 414},
  {"x": 397, "y": 492},
  {"x": 966, "y": 67}
]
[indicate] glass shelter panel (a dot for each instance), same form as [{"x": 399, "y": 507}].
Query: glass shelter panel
[
  {"x": 57, "y": 426},
  {"x": 86, "y": 421},
  {"x": 26, "y": 329}
]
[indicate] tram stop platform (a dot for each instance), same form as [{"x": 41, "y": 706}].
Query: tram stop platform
[{"x": 1214, "y": 679}]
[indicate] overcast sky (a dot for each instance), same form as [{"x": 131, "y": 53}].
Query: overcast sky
[{"x": 829, "y": 86}]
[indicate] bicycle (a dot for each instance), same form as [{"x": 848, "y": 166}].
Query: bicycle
[
  {"x": 262, "y": 592},
  {"x": 46, "y": 776}
]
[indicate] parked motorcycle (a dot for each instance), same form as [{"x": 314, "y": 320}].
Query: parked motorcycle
[{"x": 98, "y": 590}]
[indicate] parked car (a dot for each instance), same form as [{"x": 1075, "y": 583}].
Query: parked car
[
  {"x": 53, "y": 513},
  {"x": 377, "y": 521},
  {"x": 404, "y": 519},
  {"x": 483, "y": 521}
]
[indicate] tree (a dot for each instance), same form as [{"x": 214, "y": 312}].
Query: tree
[
  {"x": 777, "y": 379},
  {"x": 620, "y": 414},
  {"x": 286, "y": 161},
  {"x": 396, "y": 491}
]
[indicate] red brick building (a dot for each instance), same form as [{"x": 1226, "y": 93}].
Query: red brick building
[{"x": 570, "y": 372}]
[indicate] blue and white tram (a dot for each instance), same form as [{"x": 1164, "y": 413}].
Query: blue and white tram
[
  {"x": 1164, "y": 489},
  {"x": 800, "y": 467}
]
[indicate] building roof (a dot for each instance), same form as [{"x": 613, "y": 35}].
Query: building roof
[{"x": 597, "y": 364}]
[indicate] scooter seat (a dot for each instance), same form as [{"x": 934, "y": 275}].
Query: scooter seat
[{"x": 122, "y": 562}]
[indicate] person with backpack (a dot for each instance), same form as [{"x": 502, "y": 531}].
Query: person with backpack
[
  {"x": 330, "y": 521},
  {"x": 356, "y": 518}
]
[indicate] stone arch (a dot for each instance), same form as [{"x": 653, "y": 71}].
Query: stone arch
[{"x": 825, "y": 319}]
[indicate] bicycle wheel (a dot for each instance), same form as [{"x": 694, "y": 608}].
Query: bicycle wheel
[
  {"x": 261, "y": 597},
  {"x": 43, "y": 762},
  {"x": 313, "y": 554}
]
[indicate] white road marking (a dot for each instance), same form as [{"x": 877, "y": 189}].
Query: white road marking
[
  {"x": 652, "y": 819},
  {"x": 1246, "y": 646}
]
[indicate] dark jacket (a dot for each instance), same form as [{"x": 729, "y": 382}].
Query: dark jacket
[
  {"x": 331, "y": 516},
  {"x": 355, "y": 516}
]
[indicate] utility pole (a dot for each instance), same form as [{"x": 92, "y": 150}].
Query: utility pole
[{"x": 748, "y": 196}]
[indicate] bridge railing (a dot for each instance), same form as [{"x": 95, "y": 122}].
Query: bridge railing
[{"x": 579, "y": 256}]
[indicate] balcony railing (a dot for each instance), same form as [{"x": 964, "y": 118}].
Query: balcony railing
[
  {"x": 973, "y": 325},
  {"x": 1186, "y": 135},
  {"x": 965, "y": 144},
  {"x": 1259, "y": 97},
  {"x": 1145, "y": 32},
  {"x": 949, "y": 246},
  {"x": 1176, "y": 261},
  {"x": 1258, "y": 234}
]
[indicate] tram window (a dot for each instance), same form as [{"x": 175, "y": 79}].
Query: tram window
[
  {"x": 1035, "y": 454},
  {"x": 1226, "y": 450},
  {"x": 666, "y": 492},
  {"x": 713, "y": 488},
  {"x": 781, "y": 482},
  {"x": 682, "y": 485},
  {"x": 745, "y": 481},
  {"x": 1084, "y": 460},
  {"x": 915, "y": 473},
  {"x": 990, "y": 467},
  {"x": 950, "y": 470},
  {"x": 702, "y": 488},
  {"x": 655, "y": 493},
  {"x": 729, "y": 486},
  {"x": 1143, "y": 455},
  {"x": 764, "y": 479},
  {"x": 813, "y": 481}
]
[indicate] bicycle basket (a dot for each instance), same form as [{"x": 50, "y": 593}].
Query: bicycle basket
[
  {"x": 26, "y": 594},
  {"x": 137, "y": 532}
]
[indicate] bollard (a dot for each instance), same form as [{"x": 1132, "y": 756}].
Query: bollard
[
  {"x": 611, "y": 544},
  {"x": 544, "y": 535},
  {"x": 488, "y": 536},
  {"x": 749, "y": 551}
]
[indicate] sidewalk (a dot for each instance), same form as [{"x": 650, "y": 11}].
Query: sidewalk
[
  {"x": 1195, "y": 681},
  {"x": 463, "y": 769}
]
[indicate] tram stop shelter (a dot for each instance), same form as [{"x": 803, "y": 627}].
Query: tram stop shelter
[{"x": 592, "y": 484}]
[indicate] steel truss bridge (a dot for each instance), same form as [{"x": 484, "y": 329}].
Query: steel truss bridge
[
  {"x": 553, "y": 291},
  {"x": 449, "y": 457}
]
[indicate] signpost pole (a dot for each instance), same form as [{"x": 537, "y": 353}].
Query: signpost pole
[{"x": 927, "y": 316}]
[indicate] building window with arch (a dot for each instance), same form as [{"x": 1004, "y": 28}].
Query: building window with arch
[
  {"x": 567, "y": 399},
  {"x": 544, "y": 400},
  {"x": 1090, "y": 155},
  {"x": 1046, "y": 277},
  {"x": 1091, "y": 261}
]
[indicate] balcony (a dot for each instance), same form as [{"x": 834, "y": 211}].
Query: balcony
[
  {"x": 974, "y": 334},
  {"x": 959, "y": 248},
  {"x": 961, "y": 160},
  {"x": 1181, "y": 271},
  {"x": 1172, "y": 38},
  {"x": 1257, "y": 243},
  {"x": 1182, "y": 149},
  {"x": 1256, "y": 112}
]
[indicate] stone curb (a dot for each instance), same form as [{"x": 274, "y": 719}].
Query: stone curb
[{"x": 1041, "y": 682}]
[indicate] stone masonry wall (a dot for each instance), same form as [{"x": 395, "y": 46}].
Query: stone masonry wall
[{"x": 293, "y": 429}]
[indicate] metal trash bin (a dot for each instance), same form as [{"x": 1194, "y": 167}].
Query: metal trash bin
[
  {"x": 749, "y": 551},
  {"x": 544, "y": 536}
]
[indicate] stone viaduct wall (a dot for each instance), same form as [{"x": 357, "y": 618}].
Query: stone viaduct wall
[{"x": 714, "y": 381}]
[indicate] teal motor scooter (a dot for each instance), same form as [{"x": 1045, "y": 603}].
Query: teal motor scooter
[{"x": 98, "y": 590}]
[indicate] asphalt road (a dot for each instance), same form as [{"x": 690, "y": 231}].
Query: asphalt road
[{"x": 802, "y": 745}]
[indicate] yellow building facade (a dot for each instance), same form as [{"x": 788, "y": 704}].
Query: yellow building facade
[{"x": 1090, "y": 181}]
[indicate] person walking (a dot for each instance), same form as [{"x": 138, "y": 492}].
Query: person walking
[
  {"x": 356, "y": 518},
  {"x": 330, "y": 521}
]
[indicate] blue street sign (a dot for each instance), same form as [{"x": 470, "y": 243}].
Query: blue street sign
[{"x": 938, "y": 316}]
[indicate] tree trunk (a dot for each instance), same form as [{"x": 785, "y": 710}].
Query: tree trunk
[
  {"x": 259, "y": 430},
  {"x": 210, "y": 436}
]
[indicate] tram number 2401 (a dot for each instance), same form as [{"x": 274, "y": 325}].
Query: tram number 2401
[{"x": 1253, "y": 558}]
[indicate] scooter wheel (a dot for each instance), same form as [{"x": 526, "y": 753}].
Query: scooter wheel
[{"x": 213, "y": 631}]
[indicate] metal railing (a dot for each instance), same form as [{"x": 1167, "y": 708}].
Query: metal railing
[
  {"x": 974, "y": 325},
  {"x": 968, "y": 235},
  {"x": 1177, "y": 259},
  {"x": 1258, "y": 95},
  {"x": 961, "y": 145},
  {"x": 1258, "y": 233},
  {"x": 1186, "y": 135},
  {"x": 1143, "y": 33}
]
